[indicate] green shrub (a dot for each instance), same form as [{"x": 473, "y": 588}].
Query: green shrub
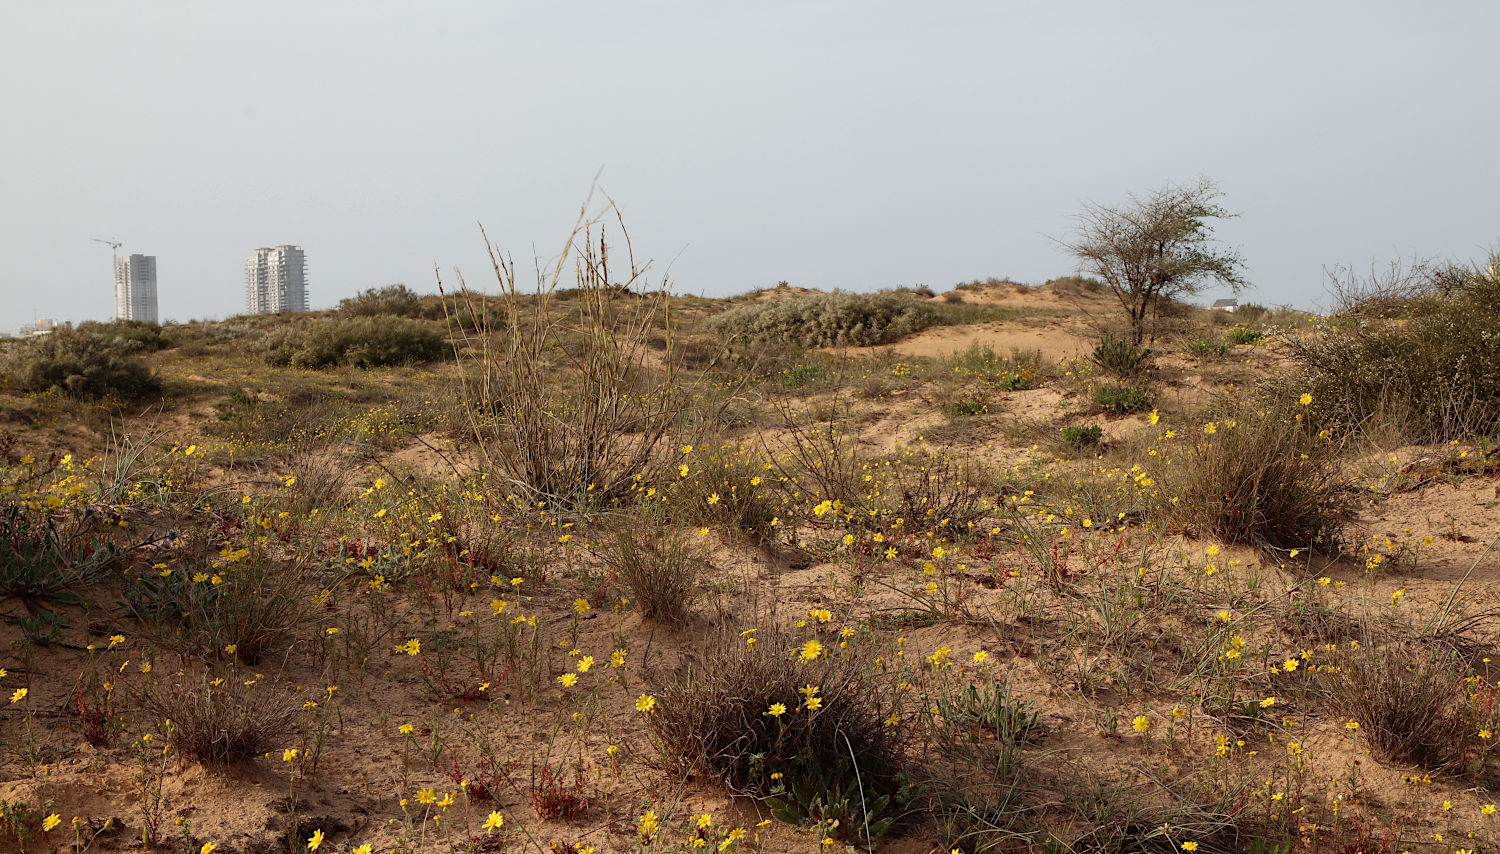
[
  {"x": 827, "y": 320},
  {"x": 397, "y": 300},
  {"x": 965, "y": 407},
  {"x": 132, "y": 336},
  {"x": 1069, "y": 285},
  {"x": 1083, "y": 437},
  {"x": 1209, "y": 348},
  {"x": 45, "y": 557},
  {"x": 1121, "y": 399},
  {"x": 211, "y": 607},
  {"x": 801, "y": 376},
  {"x": 362, "y": 342},
  {"x": 1119, "y": 357},
  {"x": 1433, "y": 374},
  {"x": 729, "y": 491},
  {"x": 1241, "y": 335},
  {"x": 81, "y": 364}
]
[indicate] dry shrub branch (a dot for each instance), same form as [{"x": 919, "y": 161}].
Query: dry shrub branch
[{"x": 568, "y": 401}]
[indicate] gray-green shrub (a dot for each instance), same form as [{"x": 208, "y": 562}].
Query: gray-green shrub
[
  {"x": 827, "y": 320},
  {"x": 397, "y": 300},
  {"x": 362, "y": 342},
  {"x": 81, "y": 364}
]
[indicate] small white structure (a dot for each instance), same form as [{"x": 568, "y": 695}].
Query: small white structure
[
  {"x": 1228, "y": 305},
  {"x": 41, "y": 326}
]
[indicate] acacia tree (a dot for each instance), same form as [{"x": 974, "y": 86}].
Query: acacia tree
[{"x": 1157, "y": 248}]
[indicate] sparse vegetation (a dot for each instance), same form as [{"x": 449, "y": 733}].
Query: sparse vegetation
[
  {"x": 584, "y": 586},
  {"x": 222, "y": 721}
]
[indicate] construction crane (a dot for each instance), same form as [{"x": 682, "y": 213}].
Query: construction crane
[
  {"x": 114, "y": 257},
  {"x": 114, "y": 247}
]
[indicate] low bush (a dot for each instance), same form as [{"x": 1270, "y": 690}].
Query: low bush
[
  {"x": 1071, "y": 285},
  {"x": 1208, "y": 348},
  {"x": 1085, "y": 436},
  {"x": 827, "y": 320},
  {"x": 393, "y": 300},
  {"x": 1022, "y": 369},
  {"x": 728, "y": 492},
  {"x": 81, "y": 364},
  {"x": 51, "y": 557},
  {"x": 801, "y": 376},
  {"x": 244, "y": 607},
  {"x": 966, "y": 406},
  {"x": 134, "y": 336},
  {"x": 1269, "y": 482},
  {"x": 1242, "y": 336},
  {"x": 362, "y": 342}
]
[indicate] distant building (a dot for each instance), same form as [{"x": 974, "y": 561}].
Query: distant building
[
  {"x": 1228, "y": 305},
  {"x": 276, "y": 280},
  {"x": 135, "y": 288},
  {"x": 41, "y": 326}
]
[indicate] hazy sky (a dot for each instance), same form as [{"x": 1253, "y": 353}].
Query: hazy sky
[{"x": 857, "y": 145}]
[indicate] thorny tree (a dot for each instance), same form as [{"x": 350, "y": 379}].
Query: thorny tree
[{"x": 1155, "y": 249}]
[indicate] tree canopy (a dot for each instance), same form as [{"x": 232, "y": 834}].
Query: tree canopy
[{"x": 1156, "y": 248}]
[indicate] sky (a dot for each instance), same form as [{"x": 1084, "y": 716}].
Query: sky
[{"x": 854, "y": 145}]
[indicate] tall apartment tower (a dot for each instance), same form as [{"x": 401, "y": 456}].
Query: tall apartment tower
[
  {"x": 135, "y": 288},
  {"x": 276, "y": 280}
]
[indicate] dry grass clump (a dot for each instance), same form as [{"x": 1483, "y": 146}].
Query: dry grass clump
[
  {"x": 660, "y": 568},
  {"x": 1266, "y": 481},
  {"x": 361, "y": 342},
  {"x": 80, "y": 364},
  {"x": 808, "y": 727},
  {"x": 827, "y": 320},
  {"x": 224, "y": 722},
  {"x": 1410, "y": 703}
]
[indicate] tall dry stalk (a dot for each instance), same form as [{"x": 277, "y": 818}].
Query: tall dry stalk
[{"x": 567, "y": 400}]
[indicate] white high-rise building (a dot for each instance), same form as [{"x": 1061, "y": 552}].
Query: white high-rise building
[
  {"x": 276, "y": 280},
  {"x": 135, "y": 288}
]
